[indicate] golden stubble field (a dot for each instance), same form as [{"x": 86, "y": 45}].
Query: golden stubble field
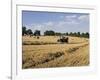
[{"x": 46, "y": 52}]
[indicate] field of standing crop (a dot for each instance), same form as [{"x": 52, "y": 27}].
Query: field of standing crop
[{"x": 46, "y": 52}]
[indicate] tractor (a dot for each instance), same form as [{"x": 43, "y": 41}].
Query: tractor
[{"x": 63, "y": 39}]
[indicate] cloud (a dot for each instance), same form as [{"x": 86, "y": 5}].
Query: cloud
[
  {"x": 70, "y": 16},
  {"x": 83, "y": 18},
  {"x": 65, "y": 24},
  {"x": 69, "y": 19},
  {"x": 48, "y": 23},
  {"x": 61, "y": 17}
]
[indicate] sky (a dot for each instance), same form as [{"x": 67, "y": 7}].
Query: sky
[{"x": 56, "y": 21}]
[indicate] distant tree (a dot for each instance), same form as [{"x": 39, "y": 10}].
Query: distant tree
[
  {"x": 78, "y": 34},
  {"x": 87, "y": 34},
  {"x": 37, "y": 33},
  {"x": 82, "y": 34},
  {"x": 67, "y": 34},
  {"x": 58, "y": 34},
  {"x": 70, "y": 33},
  {"x": 63, "y": 33},
  {"x": 29, "y": 32},
  {"x": 24, "y": 30},
  {"x": 49, "y": 33},
  {"x": 75, "y": 34}
]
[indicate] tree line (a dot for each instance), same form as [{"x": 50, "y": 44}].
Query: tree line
[
  {"x": 75, "y": 34},
  {"x": 53, "y": 33},
  {"x": 30, "y": 32}
]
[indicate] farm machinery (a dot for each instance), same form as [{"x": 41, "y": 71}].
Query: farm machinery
[{"x": 63, "y": 39}]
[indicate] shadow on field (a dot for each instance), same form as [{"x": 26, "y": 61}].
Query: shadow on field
[{"x": 31, "y": 63}]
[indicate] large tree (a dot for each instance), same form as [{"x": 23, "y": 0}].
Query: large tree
[
  {"x": 29, "y": 32},
  {"x": 86, "y": 35},
  {"x": 24, "y": 30},
  {"x": 58, "y": 34},
  {"x": 78, "y": 34},
  {"x": 49, "y": 33},
  {"x": 37, "y": 33}
]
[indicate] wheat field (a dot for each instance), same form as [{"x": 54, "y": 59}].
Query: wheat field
[{"x": 46, "y": 52}]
